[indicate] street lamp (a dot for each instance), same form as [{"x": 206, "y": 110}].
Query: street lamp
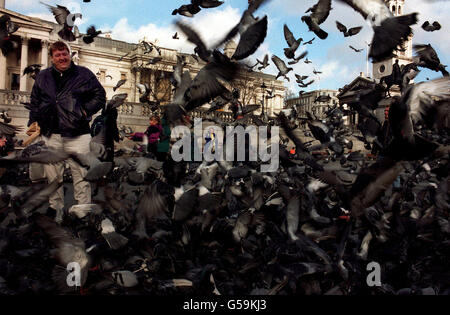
[
  {"x": 367, "y": 58},
  {"x": 264, "y": 87}
]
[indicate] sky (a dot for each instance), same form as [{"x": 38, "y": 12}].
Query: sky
[{"x": 132, "y": 20}]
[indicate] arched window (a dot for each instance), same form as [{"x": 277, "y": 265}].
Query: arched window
[
  {"x": 399, "y": 10},
  {"x": 393, "y": 9}
]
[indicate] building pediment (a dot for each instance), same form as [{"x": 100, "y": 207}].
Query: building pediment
[
  {"x": 356, "y": 85},
  {"x": 26, "y": 21}
]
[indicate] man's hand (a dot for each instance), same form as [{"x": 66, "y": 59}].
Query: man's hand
[
  {"x": 3, "y": 141},
  {"x": 33, "y": 128}
]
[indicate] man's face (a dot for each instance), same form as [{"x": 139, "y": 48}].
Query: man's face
[{"x": 61, "y": 59}]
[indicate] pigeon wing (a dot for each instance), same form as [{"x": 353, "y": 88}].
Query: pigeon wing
[
  {"x": 341, "y": 27},
  {"x": 436, "y": 25},
  {"x": 288, "y": 36},
  {"x": 281, "y": 66},
  {"x": 354, "y": 30},
  {"x": 251, "y": 39},
  {"x": 194, "y": 38},
  {"x": 59, "y": 12},
  {"x": 321, "y": 11}
]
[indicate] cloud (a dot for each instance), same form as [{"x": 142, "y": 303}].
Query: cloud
[
  {"x": 21, "y": 4},
  {"x": 211, "y": 25},
  {"x": 431, "y": 11},
  {"x": 43, "y": 16}
]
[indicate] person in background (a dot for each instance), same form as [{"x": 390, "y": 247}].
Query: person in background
[
  {"x": 397, "y": 73},
  {"x": 153, "y": 132},
  {"x": 210, "y": 140},
  {"x": 164, "y": 141},
  {"x": 6, "y": 145}
]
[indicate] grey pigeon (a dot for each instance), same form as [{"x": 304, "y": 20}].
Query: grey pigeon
[
  {"x": 283, "y": 70},
  {"x": 319, "y": 13}
]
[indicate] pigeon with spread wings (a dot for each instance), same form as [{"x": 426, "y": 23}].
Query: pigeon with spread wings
[
  {"x": 309, "y": 42},
  {"x": 69, "y": 249},
  {"x": 427, "y": 57},
  {"x": 389, "y": 31},
  {"x": 263, "y": 63},
  {"x": 91, "y": 33},
  {"x": 297, "y": 59},
  {"x": 291, "y": 41},
  {"x": 7, "y": 27},
  {"x": 350, "y": 32},
  {"x": 357, "y": 50},
  {"x": 319, "y": 13},
  {"x": 431, "y": 27},
  {"x": 63, "y": 16},
  {"x": 195, "y": 6},
  {"x": 32, "y": 70},
  {"x": 283, "y": 70}
]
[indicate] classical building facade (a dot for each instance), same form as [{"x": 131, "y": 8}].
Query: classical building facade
[
  {"x": 307, "y": 102},
  {"x": 103, "y": 57}
]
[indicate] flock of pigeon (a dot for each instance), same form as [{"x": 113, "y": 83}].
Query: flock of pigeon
[{"x": 209, "y": 228}]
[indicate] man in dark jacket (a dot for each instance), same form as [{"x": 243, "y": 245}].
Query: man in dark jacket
[{"x": 63, "y": 100}]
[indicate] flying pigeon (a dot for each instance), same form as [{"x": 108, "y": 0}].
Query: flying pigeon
[
  {"x": 263, "y": 63},
  {"x": 66, "y": 19},
  {"x": 431, "y": 27},
  {"x": 283, "y": 70},
  {"x": 32, "y": 70},
  {"x": 7, "y": 27},
  {"x": 350, "y": 32},
  {"x": 319, "y": 13},
  {"x": 291, "y": 41},
  {"x": 357, "y": 50},
  {"x": 389, "y": 31},
  {"x": 91, "y": 33}
]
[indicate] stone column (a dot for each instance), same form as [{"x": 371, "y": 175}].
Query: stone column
[
  {"x": 152, "y": 85},
  {"x": 44, "y": 54},
  {"x": 24, "y": 64},
  {"x": 3, "y": 72},
  {"x": 136, "y": 92}
]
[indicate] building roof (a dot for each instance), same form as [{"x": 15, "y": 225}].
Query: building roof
[
  {"x": 358, "y": 83},
  {"x": 27, "y": 21}
]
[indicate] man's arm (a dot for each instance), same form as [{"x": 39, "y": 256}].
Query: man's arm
[
  {"x": 34, "y": 103},
  {"x": 98, "y": 99}
]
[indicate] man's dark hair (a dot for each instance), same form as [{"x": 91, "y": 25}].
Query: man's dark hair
[
  {"x": 59, "y": 45},
  {"x": 155, "y": 117}
]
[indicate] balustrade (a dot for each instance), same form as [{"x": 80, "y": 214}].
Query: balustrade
[{"x": 133, "y": 114}]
